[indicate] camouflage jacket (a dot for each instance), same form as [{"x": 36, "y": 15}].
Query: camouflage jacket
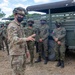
[
  {"x": 44, "y": 32},
  {"x": 1, "y": 34},
  {"x": 4, "y": 33},
  {"x": 60, "y": 34},
  {"x": 16, "y": 38},
  {"x": 37, "y": 32},
  {"x": 28, "y": 31}
]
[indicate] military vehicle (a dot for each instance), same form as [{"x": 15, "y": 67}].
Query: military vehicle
[
  {"x": 8, "y": 18},
  {"x": 63, "y": 11}
]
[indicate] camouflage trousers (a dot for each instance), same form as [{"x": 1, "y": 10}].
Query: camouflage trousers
[
  {"x": 1, "y": 43},
  {"x": 31, "y": 50},
  {"x": 60, "y": 51},
  {"x": 43, "y": 48},
  {"x": 18, "y": 64},
  {"x": 1, "y": 46},
  {"x": 6, "y": 44},
  {"x": 36, "y": 44}
]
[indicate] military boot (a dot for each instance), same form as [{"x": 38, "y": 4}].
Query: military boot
[
  {"x": 46, "y": 60},
  {"x": 59, "y": 63},
  {"x": 62, "y": 64},
  {"x": 38, "y": 60}
]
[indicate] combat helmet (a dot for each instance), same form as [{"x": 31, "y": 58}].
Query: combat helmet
[
  {"x": 43, "y": 19},
  {"x": 30, "y": 20},
  {"x": 58, "y": 23},
  {"x": 20, "y": 10}
]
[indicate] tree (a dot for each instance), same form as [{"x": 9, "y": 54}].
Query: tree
[
  {"x": 11, "y": 16},
  {"x": 2, "y": 14},
  {"x": 34, "y": 15}
]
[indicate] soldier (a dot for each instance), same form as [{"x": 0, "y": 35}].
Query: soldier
[
  {"x": 29, "y": 31},
  {"x": 43, "y": 41},
  {"x": 23, "y": 23},
  {"x": 59, "y": 37},
  {"x": 1, "y": 36},
  {"x": 37, "y": 37},
  {"x": 6, "y": 24},
  {"x": 4, "y": 38},
  {"x": 17, "y": 42}
]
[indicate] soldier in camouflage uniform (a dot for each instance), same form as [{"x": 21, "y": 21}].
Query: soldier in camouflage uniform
[
  {"x": 29, "y": 31},
  {"x": 59, "y": 37},
  {"x": 37, "y": 37},
  {"x": 1, "y": 36},
  {"x": 17, "y": 42},
  {"x": 5, "y": 40},
  {"x": 43, "y": 41}
]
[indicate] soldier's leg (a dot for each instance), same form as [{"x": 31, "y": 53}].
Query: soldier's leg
[
  {"x": 57, "y": 52},
  {"x": 6, "y": 44},
  {"x": 18, "y": 64},
  {"x": 56, "y": 49},
  {"x": 40, "y": 45},
  {"x": 36, "y": 44},
  {"x": 31, "y": 56},
  {"x": 62, "y": 54},
  {"x": 31, "y": 50},
  {"x": 46, "y": 51},
  {"x": 2, "y": 45}
]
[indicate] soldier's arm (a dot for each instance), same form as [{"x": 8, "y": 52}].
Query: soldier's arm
[
  {"x": 53, "y": 34},
  {"x": 13, "y": 36},
  {"x": 4, "y": 34},
  {"x": 34, "y": 31},
  {"x": 46, "y": 34},
  {"x": 63, "y": 34},
  {"x": 25, "y": 31}
]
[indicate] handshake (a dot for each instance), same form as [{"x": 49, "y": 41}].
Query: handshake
[{"x": 31, "y": 38}]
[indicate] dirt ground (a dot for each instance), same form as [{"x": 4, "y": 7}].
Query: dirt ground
[{"x": 40, "y": 68}]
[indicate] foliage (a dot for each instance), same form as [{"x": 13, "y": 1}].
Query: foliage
[
  {"x": 11, "y": 16},
  {"x": 2, "y": 14},
  {"x": 34, "y": 15}
]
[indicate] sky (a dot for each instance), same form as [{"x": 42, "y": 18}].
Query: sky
[{"x": 7, "y": 6}]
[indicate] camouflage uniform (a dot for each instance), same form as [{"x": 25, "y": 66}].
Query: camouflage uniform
[
  {"x": 44, "y": 33},
  {"x": 37, "y": 37},
  {"x": 60, "y": 34},
  {"x": 16, "y": 47},
  {"x": 28, "y": 32},
  {"x": 1, "y": 41},
  {"x": 17, "y": 42},
  {"x": 43, "y": 41},
  {"x": 5, "y": 39}
]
